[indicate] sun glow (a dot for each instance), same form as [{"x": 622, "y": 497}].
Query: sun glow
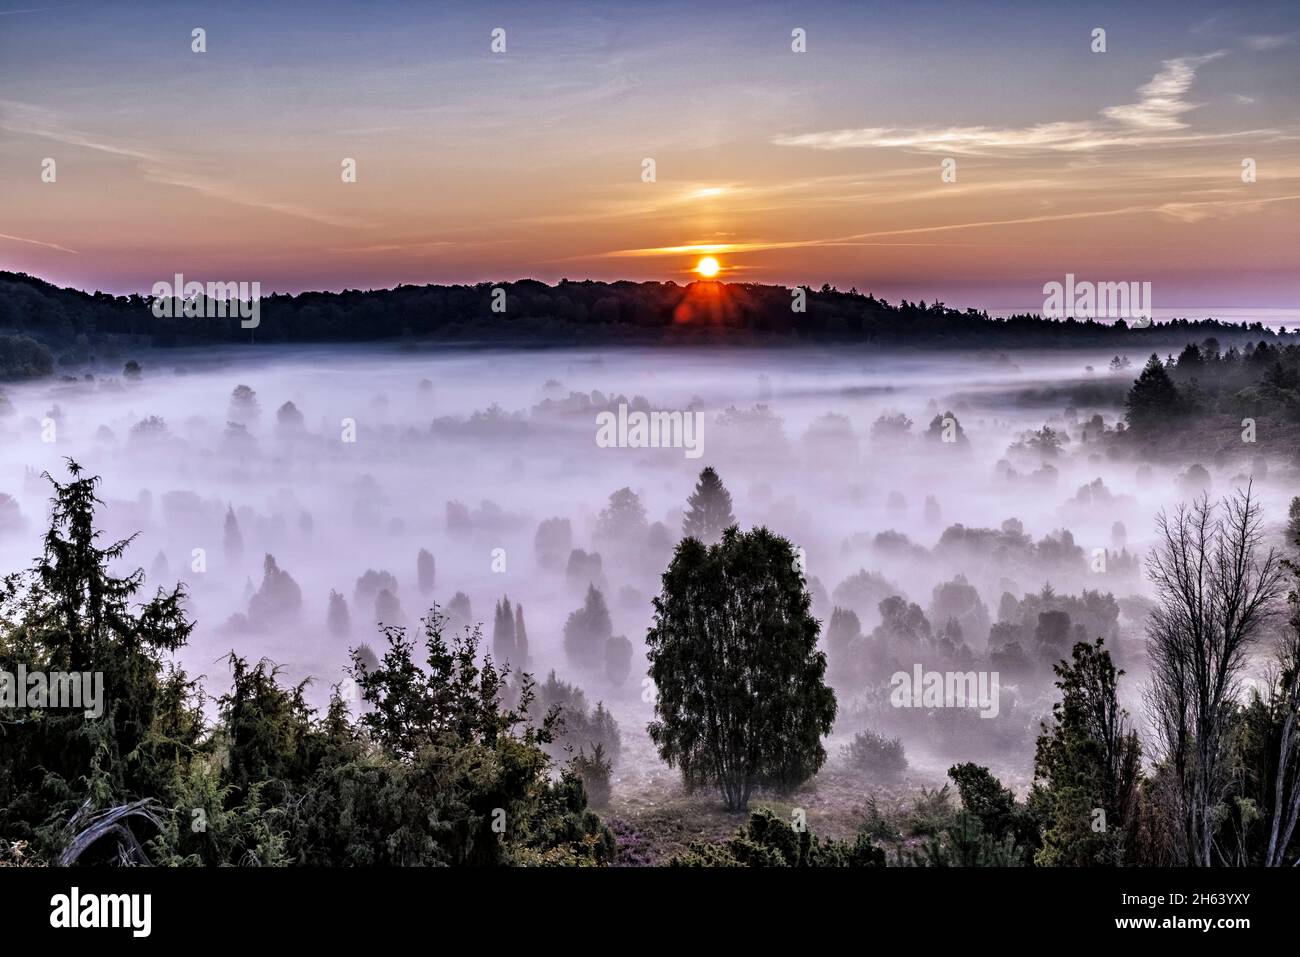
[{"x": 708, "y": 267}]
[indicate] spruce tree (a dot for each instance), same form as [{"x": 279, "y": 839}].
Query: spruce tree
[
  {"x": 1154, "y": 400},
  {"x": 710, "y": 509}
]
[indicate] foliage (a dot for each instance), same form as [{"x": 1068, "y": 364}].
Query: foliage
[
  {"x": 436, "y": 770},
  {"x": 587, "y": 631},
  {"x": 768, "y": 841},
  {"x": 1153, "y": 402},
  {"x": 874, "y": 754},
  {"x": 742, "y": 699},
  {"x": 1087, "y": 766},
  {"x": 709, "y": 511}
]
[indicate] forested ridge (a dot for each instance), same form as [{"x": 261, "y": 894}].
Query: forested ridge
[{"x": 76, "y": 327}]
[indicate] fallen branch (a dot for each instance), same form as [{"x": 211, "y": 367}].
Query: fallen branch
[{"x": 88, "y": 828}]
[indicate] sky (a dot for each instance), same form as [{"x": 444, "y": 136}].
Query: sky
[{"x": 821, "y": 166}]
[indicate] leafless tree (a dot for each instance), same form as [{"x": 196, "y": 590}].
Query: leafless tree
[
  {"x": 1284, "y": 702},
  {"x": 1217, "y": 588}
]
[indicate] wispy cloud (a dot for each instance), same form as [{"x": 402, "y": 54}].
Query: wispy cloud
[
  {"x": 156, "y": 166},
  {"x": 1161, "y": 104},
  {"x": 31, "y": 120},
  {"x": 10, "y": 13},
  {"x": 37, "y": 242},
  {"x": 1181, "y": 211},
  {"x": 1155, "y": 119},
  {"x": 229, "y": 193},
  {"x": 1262, "y": 42}
]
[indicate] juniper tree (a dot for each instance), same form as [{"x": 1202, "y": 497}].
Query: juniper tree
[
  {"x": 233, "y": 539},
  {"x": 587, "y": 630},
  {"x": 504, "y": 646},
  {"x": 425, "y": 570},
  {"x": 1087, "y": 766},
  {"x": 70, "y": 613},
  {"x": 521, "y": 638},
  {"x": 338, "y": 620},
  {"x": 742, "y": 698},
  {"x": 618, "y": 659}
]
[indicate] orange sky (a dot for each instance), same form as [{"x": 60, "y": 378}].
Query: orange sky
[{"x": 823, "y": 166}]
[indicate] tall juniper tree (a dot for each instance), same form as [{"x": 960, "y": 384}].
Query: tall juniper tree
[
  {"x": 71, "y": 614},
  {"x": 742, "y": 697},
  {"x": 425, "y": 571},
  {"x": 504, "y": 645},
  {"x": 1087, "y": 766},
  {"x": 521, "y": 639},
  {"x": 233, "y": 543}
]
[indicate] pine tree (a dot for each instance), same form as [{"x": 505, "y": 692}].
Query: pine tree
[{"x": 710, "y": 509}]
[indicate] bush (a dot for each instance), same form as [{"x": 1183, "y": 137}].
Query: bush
[
  {"x": 576, "y": 726},
  {"x": 594, "y": 770},
  {"x": 876, "y": 755},
  {"x": 768, "y": 841}
]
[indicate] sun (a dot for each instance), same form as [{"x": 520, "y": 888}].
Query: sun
[{"x": 708, "y": 267}]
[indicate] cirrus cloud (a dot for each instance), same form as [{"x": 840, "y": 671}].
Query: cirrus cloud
[{"x": 1155, "y": 119}]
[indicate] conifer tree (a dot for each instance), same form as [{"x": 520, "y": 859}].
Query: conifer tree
[
  {"x": 338, "y": 620},
  {"x": 424, "y": 571},
  {"x": 710, "y": 509},
  {"x": 1154, "y": 399},
  {"x": 234, "y": 540},
  {"x": 742, "y": 698},
  {"x": 504, "y": 649},
  {"x": 587, "y": 630},
  {"x": 70, "y": 613},
  {"x": 521, "y": 639}
]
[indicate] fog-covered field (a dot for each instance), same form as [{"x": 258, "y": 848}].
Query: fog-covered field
[{"x": 511, "y": 437}]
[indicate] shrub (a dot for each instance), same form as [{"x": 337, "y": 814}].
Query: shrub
[
  {"x": 768, "y": 841},
  {"x": 876, "y": 755}
]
